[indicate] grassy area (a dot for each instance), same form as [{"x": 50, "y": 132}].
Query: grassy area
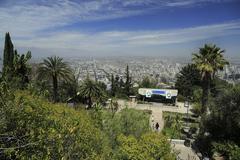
[{"x": 175, "y": 122}]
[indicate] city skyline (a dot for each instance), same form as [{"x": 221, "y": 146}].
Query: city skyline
[{"x": 120, "y": 28}]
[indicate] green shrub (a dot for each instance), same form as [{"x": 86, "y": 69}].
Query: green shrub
[
  {"x": 127, "y": 122},
  {"x": 180, "y": 98},
  {"x": 173, "y": 124},
  {"x": 229, "y": 150},
  {"x": 196, "y": 109},
  {"x": 150, "y": 146}
]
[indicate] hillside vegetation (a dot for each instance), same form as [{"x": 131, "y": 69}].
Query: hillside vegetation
[{"x": 33, "y": 128}]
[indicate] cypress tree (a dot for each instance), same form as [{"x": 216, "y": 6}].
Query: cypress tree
[
  {"x": 128, "y": 82},
  {"x": 113, "y": 86},
  {"x": 8, "y": 55}
]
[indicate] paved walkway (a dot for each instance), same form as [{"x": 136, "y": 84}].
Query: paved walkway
[{"x": 185, "y": 153}]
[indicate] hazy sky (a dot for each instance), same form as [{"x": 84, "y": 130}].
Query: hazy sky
[{"x": 120, "y": 27}]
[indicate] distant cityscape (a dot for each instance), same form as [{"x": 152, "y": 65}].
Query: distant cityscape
[{"x": 162, "y": 70}]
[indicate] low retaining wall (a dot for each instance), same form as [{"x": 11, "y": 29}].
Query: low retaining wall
[{"x": 176, "y": 141}]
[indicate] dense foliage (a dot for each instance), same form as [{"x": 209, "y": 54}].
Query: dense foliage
[
  {"x": 127, "y": 122},
  {"x": 188, "y": 80},
  {"x": 222, "y": 124},
  {"x": 147, "y": 82},
  {"x": 227, "y": 150},
  {"x": 219, "y": 132},
  {"x": 152, "y": 146},
  {"x": 32, "y": 128},
  {"x": 16, "y": 69},
  {"x": 172, "y": 125},
  {"x": 122, "y": 87}
]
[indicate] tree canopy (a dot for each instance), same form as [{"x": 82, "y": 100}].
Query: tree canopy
[{"x": 187, "y": 80}]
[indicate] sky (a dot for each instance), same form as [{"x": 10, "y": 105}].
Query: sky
[{"x": 75, "y": 28}]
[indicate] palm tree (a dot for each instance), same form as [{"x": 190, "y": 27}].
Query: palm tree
[
  {"x": 91, "y": 90},
  {"x": 55, "y": 69},
  {"x": 208, "y": 61}
]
